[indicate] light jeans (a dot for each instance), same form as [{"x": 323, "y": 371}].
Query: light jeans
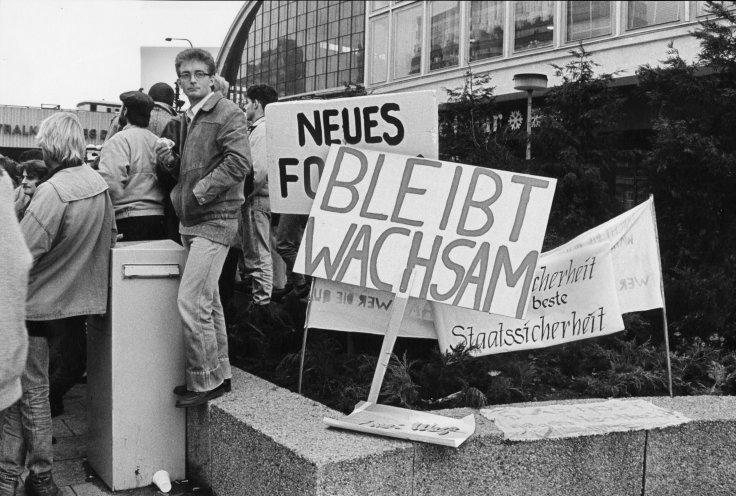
[
  {"x": 205, "y": 334},
  {"x": 26, "y": 428},
  {"x": 257, "y": 247},
  {"x": 289, "y": 234}
]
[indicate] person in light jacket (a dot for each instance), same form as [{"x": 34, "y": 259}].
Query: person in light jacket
[
  {"x": 128, "y": 164},
  {"x": 69, "y": 228}
]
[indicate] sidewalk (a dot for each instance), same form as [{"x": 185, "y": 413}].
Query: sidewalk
[{"x": 71, "y": 472}]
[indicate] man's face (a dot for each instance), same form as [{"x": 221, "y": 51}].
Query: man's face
[
  {"x": 29, "y": 184},
  {"x": 195, "y": 88},
  {"x": 250, "y": 111}
]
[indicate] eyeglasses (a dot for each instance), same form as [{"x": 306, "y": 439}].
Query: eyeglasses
[{"x": 185, "y": 76}]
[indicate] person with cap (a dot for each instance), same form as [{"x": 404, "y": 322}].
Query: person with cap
[
  {"x": 128, "y": 164},
  {"x": 163, "y": 107}
]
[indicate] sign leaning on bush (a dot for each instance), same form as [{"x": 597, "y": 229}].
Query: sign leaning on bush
[
  {"x": 470, "y": 235},
  {"x": 299, "y": 135},
  {"x": 573, "y": 297}
]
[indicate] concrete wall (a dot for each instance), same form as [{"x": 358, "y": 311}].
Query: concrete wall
[{"x": 264, "y": 440}]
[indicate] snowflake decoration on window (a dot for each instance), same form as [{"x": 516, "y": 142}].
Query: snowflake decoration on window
[
  {"x": 515, "y": 120},
  {"x": 536, "y": 119}
]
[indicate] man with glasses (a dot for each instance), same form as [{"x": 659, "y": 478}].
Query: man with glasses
[{"x": 210, "y": 159}]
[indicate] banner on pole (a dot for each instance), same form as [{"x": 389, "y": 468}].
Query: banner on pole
[
  {"x": 473, "y": 234},
  {"x": 344, "y": 307},
  {"x": 401, "y": 423},
  {"x": 635, "y": 251},
  {"x": 299, "y": 135},
  {"x": 573, "y": 297}
]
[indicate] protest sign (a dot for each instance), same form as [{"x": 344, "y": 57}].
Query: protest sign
[
  {"x": 573, "y": 297},
  {"x": 406, "y": 424},
  {"x": 473, "y": 234},
  {"x": 299, "y": 135},
  {"x": 581, "y": 419},
  {"x": 344, "y": 307},
  {"x": 635, "y": 250}
]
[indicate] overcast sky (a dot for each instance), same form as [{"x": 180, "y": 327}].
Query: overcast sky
[{"x": 66, "y": 51}]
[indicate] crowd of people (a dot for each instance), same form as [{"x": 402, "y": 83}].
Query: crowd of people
[{"x": 198, "y": 178}]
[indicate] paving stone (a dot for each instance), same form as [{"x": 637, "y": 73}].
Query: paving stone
[
  {"x": 69, "y": 448},
  {"x": 61, "y": 429},
  {"x": 68, "y": 472}
]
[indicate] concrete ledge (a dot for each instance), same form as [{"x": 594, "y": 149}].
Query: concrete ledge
[{"x": 264, "y": 440}]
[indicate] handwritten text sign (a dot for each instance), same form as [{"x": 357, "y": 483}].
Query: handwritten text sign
[
  {"x": 344, "y": 307},
  {"x": 635, "y": 250},
  {"x": 300, "y": 133},
  {"x": 472, "y": 234},
  {"x": 406, "y": 424},
  {"x": 573, "y": 297}
]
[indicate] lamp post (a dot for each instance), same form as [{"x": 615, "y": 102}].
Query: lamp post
[
  {"x": 178, "y": 102},
  {"x": 529, "y": 82},
  {"x": 180, "y": 39}
]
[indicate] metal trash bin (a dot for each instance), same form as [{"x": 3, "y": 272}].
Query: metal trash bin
[{"x": 135, "y": 357}]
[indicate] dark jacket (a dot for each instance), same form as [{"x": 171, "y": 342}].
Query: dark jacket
[{"x": 211, "y": 167}]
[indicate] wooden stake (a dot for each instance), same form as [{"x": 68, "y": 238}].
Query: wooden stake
[
  {"x": 664, "y": 305},
  {"x": 392, "y": 331},
  {"x": 304, "y": 342}
]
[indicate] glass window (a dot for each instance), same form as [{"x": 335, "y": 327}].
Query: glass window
[
  {"x": 643, "y": 14},
  {"x": 533, "y": 24},
  {"x": 300, "y": 43},
  {"x": 408, "y": 41},
  {"x": 376, "y": 5},
  {"x": 379, "y": 49},
  {"x": 588, "y": 20},
  {"x": 486, "y": 30},
  {"x": 444, "y": 34}
]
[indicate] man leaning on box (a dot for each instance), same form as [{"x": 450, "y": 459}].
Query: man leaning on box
[{"x": 210, "y": 159}]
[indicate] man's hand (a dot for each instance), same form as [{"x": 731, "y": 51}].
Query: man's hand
[{"x": 164, "y": 155}]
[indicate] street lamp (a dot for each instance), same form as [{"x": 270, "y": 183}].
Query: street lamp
[
  {"x": 178, "y": 102},
  {"x": 180, "y": 39},
  {"x": 529, "y": 83}
]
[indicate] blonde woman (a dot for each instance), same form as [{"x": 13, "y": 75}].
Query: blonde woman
[{"x": 69, "y": 229}]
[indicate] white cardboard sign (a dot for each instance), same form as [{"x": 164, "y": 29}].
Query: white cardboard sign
[
  {"x": 472, "y": 234},
  {"x": 573, "y": 297},
  {"x": 299, "y": 135}
]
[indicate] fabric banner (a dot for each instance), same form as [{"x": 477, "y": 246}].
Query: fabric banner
[
  {"x": 470, "y": 234},
  {"x": 635, "y": 250},
  {"x": 573, "y": 297},
  {"x": 580, "y": 419},
  {"x": 344, "y": 307},
  {"x": 401, "y": 423},
  {"x": 299, "y": 135}
]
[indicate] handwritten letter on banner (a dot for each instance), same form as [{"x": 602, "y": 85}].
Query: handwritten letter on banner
[
  {"x": 300, "y": 133},
  {"x": 635, "y": 250},
  {"x": 471, "y": 234},
  {"x": 573, "y": 297}
]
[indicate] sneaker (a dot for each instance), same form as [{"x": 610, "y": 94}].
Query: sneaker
[
  {"x": 41, "y": 485},
  {"x": 182, "y": 390},
  {"x": 8, "y": 484}
]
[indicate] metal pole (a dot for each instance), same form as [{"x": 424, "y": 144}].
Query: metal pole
[{"x": 529, "y": 125}]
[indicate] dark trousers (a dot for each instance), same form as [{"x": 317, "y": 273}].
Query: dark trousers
[{"x": 143, "y": 228}]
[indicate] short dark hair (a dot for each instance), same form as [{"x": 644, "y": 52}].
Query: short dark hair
[
  {"x": 35, "y": 169},
  {"x": 11, "y": 167},
  {"x": 32, "y": 154},
  {"x": 162, "y": 92},
  {"x": 137, "y": 116},
  {"x": 195, "y": 54},
  {"x": 263, "y": 93}
]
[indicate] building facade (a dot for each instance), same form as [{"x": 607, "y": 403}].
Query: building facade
[{"x": 326, "y": 48}]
